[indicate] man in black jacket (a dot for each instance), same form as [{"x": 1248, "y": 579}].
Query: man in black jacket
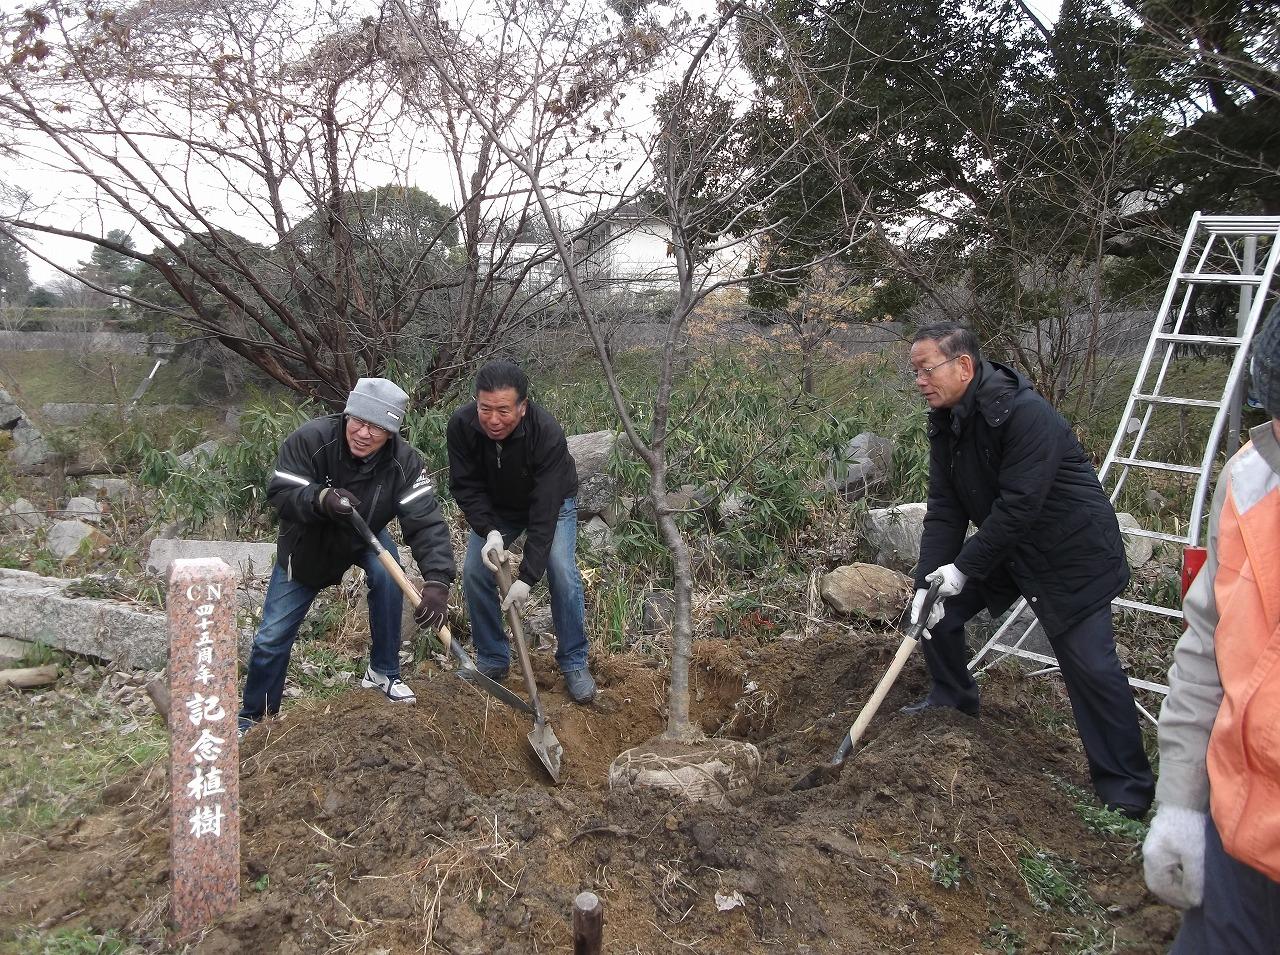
[
  {"x": 328, "y": 467},
  {"x": 511, "y": 472},
  {"x": 1002, "y": 458}
]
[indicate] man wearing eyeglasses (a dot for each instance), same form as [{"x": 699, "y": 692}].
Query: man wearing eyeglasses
[
  {"x": 329, "y": 467},
  {"x": 1002, "y": 458}
]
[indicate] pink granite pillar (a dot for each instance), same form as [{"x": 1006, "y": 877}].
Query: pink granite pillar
[{"x": 204, "y": 758}]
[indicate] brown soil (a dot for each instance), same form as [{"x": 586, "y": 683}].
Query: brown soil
[{"x": 367, "y": 827}]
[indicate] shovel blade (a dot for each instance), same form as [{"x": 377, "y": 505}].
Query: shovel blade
[
  {"x": 494, "y": 689},
  {"x": 818, "y": 776},
  {"x": 547, "y": 748}
]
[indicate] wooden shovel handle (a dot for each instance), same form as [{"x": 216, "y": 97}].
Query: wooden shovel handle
[
  {"x": 872, "y": 706},
  {"x": 410, "y": 591},
  {"x": 905, "y": 648},
  {"x": 397, "y": 574}
]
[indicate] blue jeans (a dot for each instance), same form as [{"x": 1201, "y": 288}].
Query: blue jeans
[
  {"x": 568, "y": 612},
  {"x": 287, "y": 603}
]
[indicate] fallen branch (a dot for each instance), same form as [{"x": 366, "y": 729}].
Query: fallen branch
[
  {"x": 158, "y": 690},
  {"x": 27, "y": 678}
]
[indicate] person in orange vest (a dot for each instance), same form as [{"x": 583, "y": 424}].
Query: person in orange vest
[{"x": 1214, "y": 844}]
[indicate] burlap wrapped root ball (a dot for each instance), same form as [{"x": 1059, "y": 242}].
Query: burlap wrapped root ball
[{"x": 716, "y": 771}]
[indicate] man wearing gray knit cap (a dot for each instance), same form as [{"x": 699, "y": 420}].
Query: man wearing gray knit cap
[
  {"x": 1214, "y": 844},
  {"x": 329, "y": 467}
]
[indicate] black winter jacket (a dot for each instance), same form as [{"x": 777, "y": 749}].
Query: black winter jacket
[
  {"x": 522, "y": 480},
  {"x": 1004, "y": 459},
  {"x": 316, "y": 550}
]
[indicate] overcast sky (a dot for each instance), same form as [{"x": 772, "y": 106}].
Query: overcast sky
[{"x": 84, "y": 216}]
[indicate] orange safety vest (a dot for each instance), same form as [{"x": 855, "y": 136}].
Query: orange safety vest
[{"x": 1244, "y": 748}]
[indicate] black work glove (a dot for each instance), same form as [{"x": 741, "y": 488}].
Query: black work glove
[
  {"x": 337, "y": 503},
  {"x": 432, "y": 612}
]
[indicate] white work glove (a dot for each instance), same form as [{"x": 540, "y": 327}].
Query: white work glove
[
  {"x": 952, "y": 578},
  {"x": 1173, "y": 856},
  {"x": 517, "y": 597},
  {"x": 935, "y": 612},
  {"x": 492, "y": 551}
]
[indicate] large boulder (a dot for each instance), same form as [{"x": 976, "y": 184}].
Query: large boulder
[
  {"x": 83, "y": 509},
  {"x": 37, "y": 610},
  {"x": 867, "y": 591},
  {"x": 22, "y": 515},
  {"x": 30, "y": 451},
  {"x": 246, "y": 559},
  {"x": 113, "y": 488},
  {"x": 68, "y": 538},
  {"x": 597, "y": 535},
  {"x": 1137, "y": 550},
  {"x": 201, "y": 453},
  {"x": 657, "y": 612},
  {"x": 894, "y": 533},
  {"x": 861, "y": 466},
  {"x": 596, "y": 487}
]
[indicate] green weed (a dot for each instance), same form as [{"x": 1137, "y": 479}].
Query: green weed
[
  {"x": 947, "y": 869},
  {"x": 1052, "y": 882},
  {"x": 1003, "y": 939},
  {"x": 1103, "y": 821},
  {"x": 615, "y": 610},
  {"x": 70, "y": 941},
  {"x": 324, "y": 672},
  {"x": 40, "y": 654}
]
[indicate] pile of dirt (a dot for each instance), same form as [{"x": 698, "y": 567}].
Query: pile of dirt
[{"x": 367, "y": 827}]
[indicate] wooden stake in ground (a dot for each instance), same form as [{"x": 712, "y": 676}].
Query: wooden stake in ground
[
  {"x": 204, "y": 759},
  {"x": 588, "y": 924}
]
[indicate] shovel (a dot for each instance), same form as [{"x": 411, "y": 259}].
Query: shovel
[
  {"x": 829, "y": 771},
  {"x": 542, "y": 739},
  {"x": 466, "y": 668}
]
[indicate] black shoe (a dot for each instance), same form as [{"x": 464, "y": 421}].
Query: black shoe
[
  {"x": 1129, "y": 811},
  {"x": 496, "y": 674},
  {"x": 919, "y": 706}
]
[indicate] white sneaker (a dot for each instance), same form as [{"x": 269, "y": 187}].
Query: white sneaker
[{"x": 396, "y": 690}]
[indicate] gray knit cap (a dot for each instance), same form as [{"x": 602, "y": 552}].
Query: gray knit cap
[
  {"x": 379, "y": 402},
  {"x": 1265, "y": 367}
]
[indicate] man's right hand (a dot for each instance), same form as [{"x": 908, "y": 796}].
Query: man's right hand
[
  {"x": 492, "y": 552},
  {"x": 337, "y": 503},
  {"x": 1173, "y": 856},
  {"x": 935, "y": 612}
]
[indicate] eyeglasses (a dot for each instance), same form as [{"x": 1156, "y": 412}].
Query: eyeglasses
[
  {"x": 927, "y": 371},
  {"x": 372, "y": 430}
]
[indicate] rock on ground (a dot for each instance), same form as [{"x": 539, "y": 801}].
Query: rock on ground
[
  {"x": 66, "y": 538},
  {"x": 596, "y": 488},
  {"x": 894, "y": 534},
  {"x": 23, "y": 515},
  {"x": 1137, "y": 550},
  {"x": 867, "y": 590},
  {"x": 37, "y": 610}
]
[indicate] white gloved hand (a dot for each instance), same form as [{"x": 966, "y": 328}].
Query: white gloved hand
[
  {"x": 953, "y": 580},
  {"x": 492, "y": 551},
  {"x": 935, "y": 612},
  {"x": 517, "y": 597},
  {"x": 1173, "y": 856}
]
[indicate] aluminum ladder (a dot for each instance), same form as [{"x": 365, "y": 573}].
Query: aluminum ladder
[{"x": 1223, "y": 251}]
